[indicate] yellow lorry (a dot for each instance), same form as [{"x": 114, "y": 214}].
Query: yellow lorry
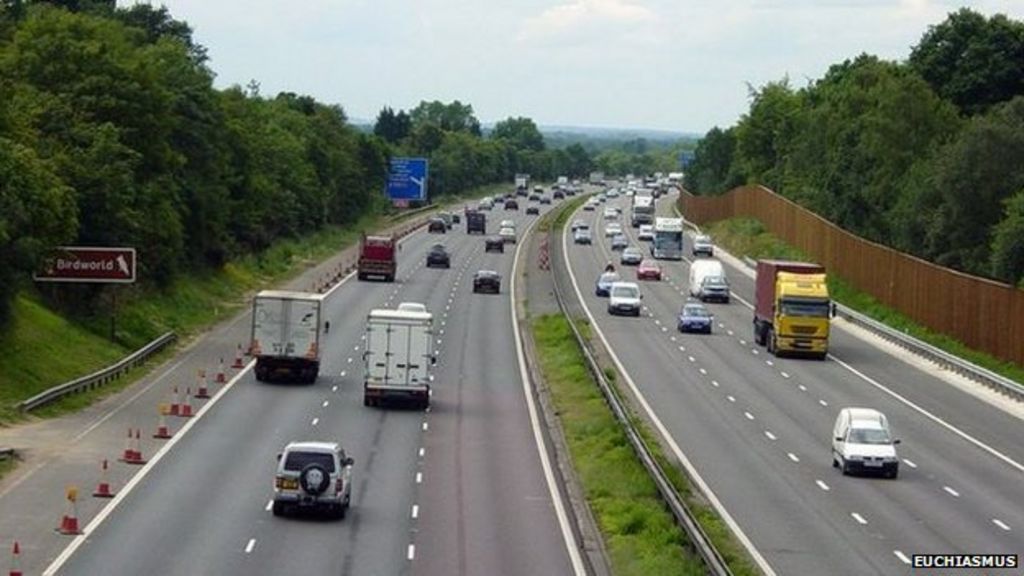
[{"x": 792, "y": 309}]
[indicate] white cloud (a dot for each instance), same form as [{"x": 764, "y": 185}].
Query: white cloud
[{"x": 581, "y": 16}]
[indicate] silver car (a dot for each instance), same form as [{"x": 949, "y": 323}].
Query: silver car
[{"x": 313, "y": 476}]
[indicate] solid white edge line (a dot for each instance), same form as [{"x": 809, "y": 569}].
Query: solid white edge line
[
  {"x": 663, "y": 431},
  {"x": 571, "y": 546},
  {"x": 1013, "y": 463},
  {"x": 137, "y": 479}
]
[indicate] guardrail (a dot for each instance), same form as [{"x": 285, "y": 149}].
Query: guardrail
[
  {"x": 99, "y": 377},
  {"x": 941, "y": 357},
  {"x": 698, "y": 539}
]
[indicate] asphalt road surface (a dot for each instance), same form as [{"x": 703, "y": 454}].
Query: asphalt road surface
[
  {"x": 756, "y": 429},
  {"x": 458, "y": 489}
]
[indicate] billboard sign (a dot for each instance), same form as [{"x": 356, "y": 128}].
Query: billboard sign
[
  {"x": 407, "y": 179},
  {"x": 88, "y": 264}
]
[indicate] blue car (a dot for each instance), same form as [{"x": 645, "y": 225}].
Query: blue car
[
  {"x": 694, "y": 317},
  {"x": 604, "y": 283}
]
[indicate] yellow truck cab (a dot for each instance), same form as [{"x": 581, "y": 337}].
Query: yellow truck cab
[{"x": 792, "y": 311}]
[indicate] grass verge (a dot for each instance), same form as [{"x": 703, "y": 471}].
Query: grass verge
[
  {"x": 44, "y": 348},
  {"x": 748, "y": 237},
  {"x": 640, "y": 534}
]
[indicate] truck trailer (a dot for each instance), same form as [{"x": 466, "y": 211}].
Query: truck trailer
[
  {"x": 286, "y": 335},
  {"x": 792, "y": 309},
  {"x": 377, "y": 257},
  {"x": 399, "y": 357}
]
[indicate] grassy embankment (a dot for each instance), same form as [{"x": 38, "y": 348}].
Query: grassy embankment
[
  {"x": 43, "y": 348},
  {"x": 748, "y": 237},
  {"x": 639, "y": 532}
]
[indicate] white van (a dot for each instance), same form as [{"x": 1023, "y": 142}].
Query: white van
[
  {"x": 702, "y": 269},
  {"x": 863, "y": 442}
]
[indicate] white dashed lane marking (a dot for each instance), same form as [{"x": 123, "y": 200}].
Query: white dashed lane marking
[
  {"x": 714, "y": 383},
  {"x": 1001, "y": 524},
  {"x": 250, "y": 545},
  {"x": 334, "y": 388},
  {"x": 315, "y": 421},
  {"x": 821, "y": 484},
  {"x": 270, "y": 504},
  {"x": 793, "y": 457},
  {"x": 909, "y": 463},
  {"x": 785, "y": 374},
  {"x": 951, "y": 492},
  {"x": 748, "y": 415},
  {"x": 822, "y": 402},
  {"x": 860, "y": 519},
  {"x": 802, "y": 388},
  {"x": 326, "y": 403},
  {"x": 770, "y": 436},
  {"x": 411, "y": 554},
  {"x": 703, "y": 371},
  {"x": 731, "y": 398},
  {"x": 903, "y": 557},
  {"x": 415, "y": 511}
]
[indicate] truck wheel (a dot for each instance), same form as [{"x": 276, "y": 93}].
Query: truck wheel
[
  {"x": 758, "y": 336},
  {"x": 279, "y": 509},
  {"x": 361, "y": 276},
  {"x": 770, "y": 337},
  {"x": 366, "y": 400}
]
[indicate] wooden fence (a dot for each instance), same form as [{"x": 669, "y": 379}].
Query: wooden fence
[{"x": 983, "y": 314}]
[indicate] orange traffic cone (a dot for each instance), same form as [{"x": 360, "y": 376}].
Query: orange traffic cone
[
  {"x": 238, "y": 358},
  {"x": 175, "y": 402},
  {"x": 201, "y": 390},
  {"x": 103, "y": 488},
  {"x": 162, "y": 431},
  {"x": 15, "y": 560},
  {"x": 129, "y": 450},
  {"x": 221, "y": 377},
  {"x": 133, "y": 454},
  {"x": 186, "y": 405},
  {"x": 69, "y": 522}
]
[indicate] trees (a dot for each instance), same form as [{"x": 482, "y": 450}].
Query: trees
[
  {"x": 1008, "y": 242},
  {"x": 520, "y": 132},
  {"x": 972, "y": 61},
  {"x": 712, "y": 169},
  {"x": 392, "y": 127}
]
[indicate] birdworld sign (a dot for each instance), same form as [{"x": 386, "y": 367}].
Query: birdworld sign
[{"x": 88, "y": 264}]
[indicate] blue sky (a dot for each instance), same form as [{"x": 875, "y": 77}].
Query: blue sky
[{"x": 681, "y": 65}]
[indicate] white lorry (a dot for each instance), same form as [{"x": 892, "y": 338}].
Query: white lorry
[
  {"x": 643, "y": 211},
  {"x": 286, "y": 335},
  {"x": 399, "y": 357},
  {"x": 708, "y": 280}
]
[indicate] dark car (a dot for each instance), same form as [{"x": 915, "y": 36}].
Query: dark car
[
  {"x": 456, "y": 218},
  {"x": 437, "y": 225},
  {"x": 694, "y": 317},
  {"x": 532, "y": 210},
  {"x": 521, "y": 192},
  {"x": 438, "y": 257},
  {"x": 558, "y": 194},
  {"x": 534, "y": 197},
  {"x": 494, "y": 244},
  {"x": 545, "y": 200},
  {"x": 604, "y": 283},
  {"x": 487, "y": 281},
  {"x": 619, "y": 242},
  {"x": 631, "y": 256},
  {"x": 511, "y": 205}
]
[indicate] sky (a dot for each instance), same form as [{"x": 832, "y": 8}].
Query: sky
[{"x": 678, "y": 65}]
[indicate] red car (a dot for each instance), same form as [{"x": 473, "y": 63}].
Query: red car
[{"x": 648, "y": 270}]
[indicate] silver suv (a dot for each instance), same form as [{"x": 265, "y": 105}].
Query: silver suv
[{"x": 313, "y": 476}]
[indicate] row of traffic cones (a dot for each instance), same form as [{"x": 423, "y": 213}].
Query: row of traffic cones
[{"x": 133, "y": 450}]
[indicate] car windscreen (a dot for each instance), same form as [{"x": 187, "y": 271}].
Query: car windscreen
[
  {"x": 296, "y": 461},
  {"x": 625, "y": 292},
  {"x": 694, "y": 311},
  {"x": 869, "y": 436},
  {"x": 609, "y": 277}
]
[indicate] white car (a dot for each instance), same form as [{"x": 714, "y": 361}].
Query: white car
[
  {"x": 611, "y": 214},
  {"x": 624, "y": 298},
  {"x": 613, "y": 193},
  {"x": 612, "y": 229},
  {"x": 646, "y": 233},
  {"x": 313, "y": 476},
  {"x": 412, "y": 307},
  {"x": 508, "y": 235},
  {"x": 507, "y": 224},
  {"x": 862, "y": 442}
]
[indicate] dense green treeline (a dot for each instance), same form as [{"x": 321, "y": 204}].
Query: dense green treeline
[
  {"x": 111, "y": 133},
  {"x": 926, "y": 156}
]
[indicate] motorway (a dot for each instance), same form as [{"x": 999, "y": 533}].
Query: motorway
[
  {"x": 756, "y": 430},
  {"x": 458, "y": 489}
]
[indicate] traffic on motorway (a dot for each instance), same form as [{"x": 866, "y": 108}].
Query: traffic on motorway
[{"x": 807, "y": 439}]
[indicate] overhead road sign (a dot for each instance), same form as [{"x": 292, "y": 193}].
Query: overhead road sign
[
  {"x": 88, "y": 264},
  {"x": 407, "y": 179}
]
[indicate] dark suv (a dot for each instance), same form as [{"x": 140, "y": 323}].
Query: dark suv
[
  {"x": 487, "y": 281},
  {"x": 438, "y": 257},
  {"x": 494, "y": 244}
]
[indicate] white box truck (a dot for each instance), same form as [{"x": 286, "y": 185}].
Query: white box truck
[
  {"x": 708, "y": 280},
  {"x": 399, "y": 357},
  {"x": 286, "y": 335}
]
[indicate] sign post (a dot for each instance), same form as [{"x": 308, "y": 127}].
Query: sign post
[
  {"x": 407, "y": 180},
  {"x": 92, "y": 264}
]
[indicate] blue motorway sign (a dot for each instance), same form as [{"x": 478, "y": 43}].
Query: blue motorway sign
[{"x": 407, "y": 179}]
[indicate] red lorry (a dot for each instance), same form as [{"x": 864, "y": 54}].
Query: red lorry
[{"x": 377, "y": 257}]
